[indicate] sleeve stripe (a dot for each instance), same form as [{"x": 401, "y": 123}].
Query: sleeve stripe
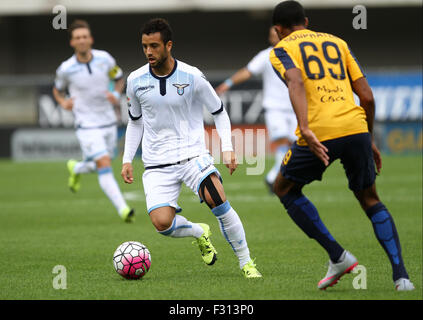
[
  {"x": 220, "y": 109},
  {"x": 132, "y": 117},
  {"x": 279, "y": 75},
  {"x": 284, "y": 58},
  {"x": 356, "y": 61}
]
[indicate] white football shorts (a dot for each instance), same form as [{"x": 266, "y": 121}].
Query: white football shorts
[
  {"x": 163, "y": 185},
  {"x": 280, "y": 124},
  {"x": 98, "y": 142}
]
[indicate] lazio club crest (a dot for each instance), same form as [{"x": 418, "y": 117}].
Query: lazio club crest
[{"x": 180, "y": 88}]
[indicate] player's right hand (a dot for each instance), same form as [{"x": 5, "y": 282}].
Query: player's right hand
[
  {"x": 127, "y": 173},
  {"x": 316, "y": 146},
  {"x": 377, "y": 157},
  {"x": 222, "y": 88},
  {"x": 229, "y": 159},
  {"x": 68, "y": 104}
]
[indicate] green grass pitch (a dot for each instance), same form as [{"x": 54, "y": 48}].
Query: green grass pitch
[{"x": 43, "y": 225}]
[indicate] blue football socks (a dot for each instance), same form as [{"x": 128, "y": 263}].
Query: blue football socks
[
  {"x": 305, "y": 215},
  {"x": 386, "y": 233}
]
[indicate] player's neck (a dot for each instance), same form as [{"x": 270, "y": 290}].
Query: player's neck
[
  {"x": 165, "y": 68},
  {"x": 293, "y": 29},
  {"x": 84, "y": 57}
]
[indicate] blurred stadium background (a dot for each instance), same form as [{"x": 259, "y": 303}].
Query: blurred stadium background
[{"x": 218, "y": 37}]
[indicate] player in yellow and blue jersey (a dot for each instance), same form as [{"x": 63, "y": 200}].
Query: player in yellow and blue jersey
[{"x": 321, "y": 74}]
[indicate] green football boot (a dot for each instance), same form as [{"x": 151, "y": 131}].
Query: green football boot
[
  {"x": 208, "y": 252},
  {"x": 74, "y": 181},
  {"x": 250, "y": 270},
  {"x": 128, "y": 215}
]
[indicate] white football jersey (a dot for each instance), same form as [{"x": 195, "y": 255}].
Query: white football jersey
[
  {"x": 275, "y": 93},
  {"x": 171, "y": 108},
  {"x": 87, "y": 84}
]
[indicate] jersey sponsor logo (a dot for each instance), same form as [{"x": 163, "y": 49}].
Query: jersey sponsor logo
[
  {"x": 180, "y": 88},
  {"x": 151, "y": 86}
]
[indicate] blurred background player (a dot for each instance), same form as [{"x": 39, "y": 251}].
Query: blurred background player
[
  {"x": 166, "y": 98},
  {"x": 87, "y": 76},
  {"x": 278, "y": 113},
  {"x": 322, "y": 73}
]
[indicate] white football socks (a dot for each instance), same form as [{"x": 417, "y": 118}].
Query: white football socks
[
  {"x": 84, "y": 167},
  {"x": 233, "y": 231},
  {"x": 110, "y": 187},
  {"x": 181, "y": 228}
]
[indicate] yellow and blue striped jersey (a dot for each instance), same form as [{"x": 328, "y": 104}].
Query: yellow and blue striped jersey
[{"x": 328, "y": 66}]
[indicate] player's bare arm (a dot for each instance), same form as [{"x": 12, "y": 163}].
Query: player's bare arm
[
  {"x": 240, "y": 76},
  {"x": 298, "y": 98},
  {"x": 119, "y": 84},
  {"x": 362, "y": 89},
  {"x": 66, "y": 104}
]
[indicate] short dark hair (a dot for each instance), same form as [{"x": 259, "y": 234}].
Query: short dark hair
[
  {"x": 77, "y": 24},
  {"x": 158, "y": 25},
  {"x": 289, "y": 14}
]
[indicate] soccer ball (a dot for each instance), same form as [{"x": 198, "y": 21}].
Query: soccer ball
[{"x": 132, "y": 260}]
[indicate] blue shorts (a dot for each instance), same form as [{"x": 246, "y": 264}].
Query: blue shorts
[{"x": 355, "y": 152}]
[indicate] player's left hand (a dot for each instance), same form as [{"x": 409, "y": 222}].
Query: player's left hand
[
  {"x": 229, "y": 159},
  {"x": 112, "y": 98},
  {"x": 377, "y": 157}
]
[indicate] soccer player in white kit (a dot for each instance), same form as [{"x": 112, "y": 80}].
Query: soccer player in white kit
[
  {"x": 165, "y": 99},
  {"x": 87, "y": 76},
  {"x": 279, "y": 115}
]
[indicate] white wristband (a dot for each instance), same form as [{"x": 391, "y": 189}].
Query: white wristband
[
  {"x": 229, "y": 82},
  {"x": 116, "y": 94}
]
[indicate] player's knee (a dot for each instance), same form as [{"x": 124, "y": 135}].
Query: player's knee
[
  {"x": 367, "y": 197},
  {"x": 290, "y": 197},
  {"x": 279, "y": 191},
  {"x": 280, "y": 187},
  {"x": 161, "y": 222},
  {"x": 103, "y": 162},
  {"x": 211, "y": 191},
  {"x": 162, "y": 225}
]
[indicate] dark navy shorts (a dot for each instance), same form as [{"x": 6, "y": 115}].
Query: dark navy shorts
[{"x": 355, "y": 152}]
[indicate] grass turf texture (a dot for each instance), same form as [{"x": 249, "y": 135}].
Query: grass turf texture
[{"x": 43, "y": 225}]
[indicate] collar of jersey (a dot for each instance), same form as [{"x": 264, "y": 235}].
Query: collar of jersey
[
  {"x": 92, "y": 58},
  {"x": 298, "y": 31},
  {"x": 164, "y": 77}
]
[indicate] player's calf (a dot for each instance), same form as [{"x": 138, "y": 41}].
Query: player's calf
[
  {"x": 211, "y": 191},
  {"x": 167, "y": 223},
  {"x": 306, "y": 217},
  {"x": 387, "y": 235}
]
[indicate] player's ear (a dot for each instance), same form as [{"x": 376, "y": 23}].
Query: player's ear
[
  {"x": 306, "y": 21},
  {"x": 278, "y": 30},
  {"x": 169, "y": 45},
  {"x": 71, "y": 43}
]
